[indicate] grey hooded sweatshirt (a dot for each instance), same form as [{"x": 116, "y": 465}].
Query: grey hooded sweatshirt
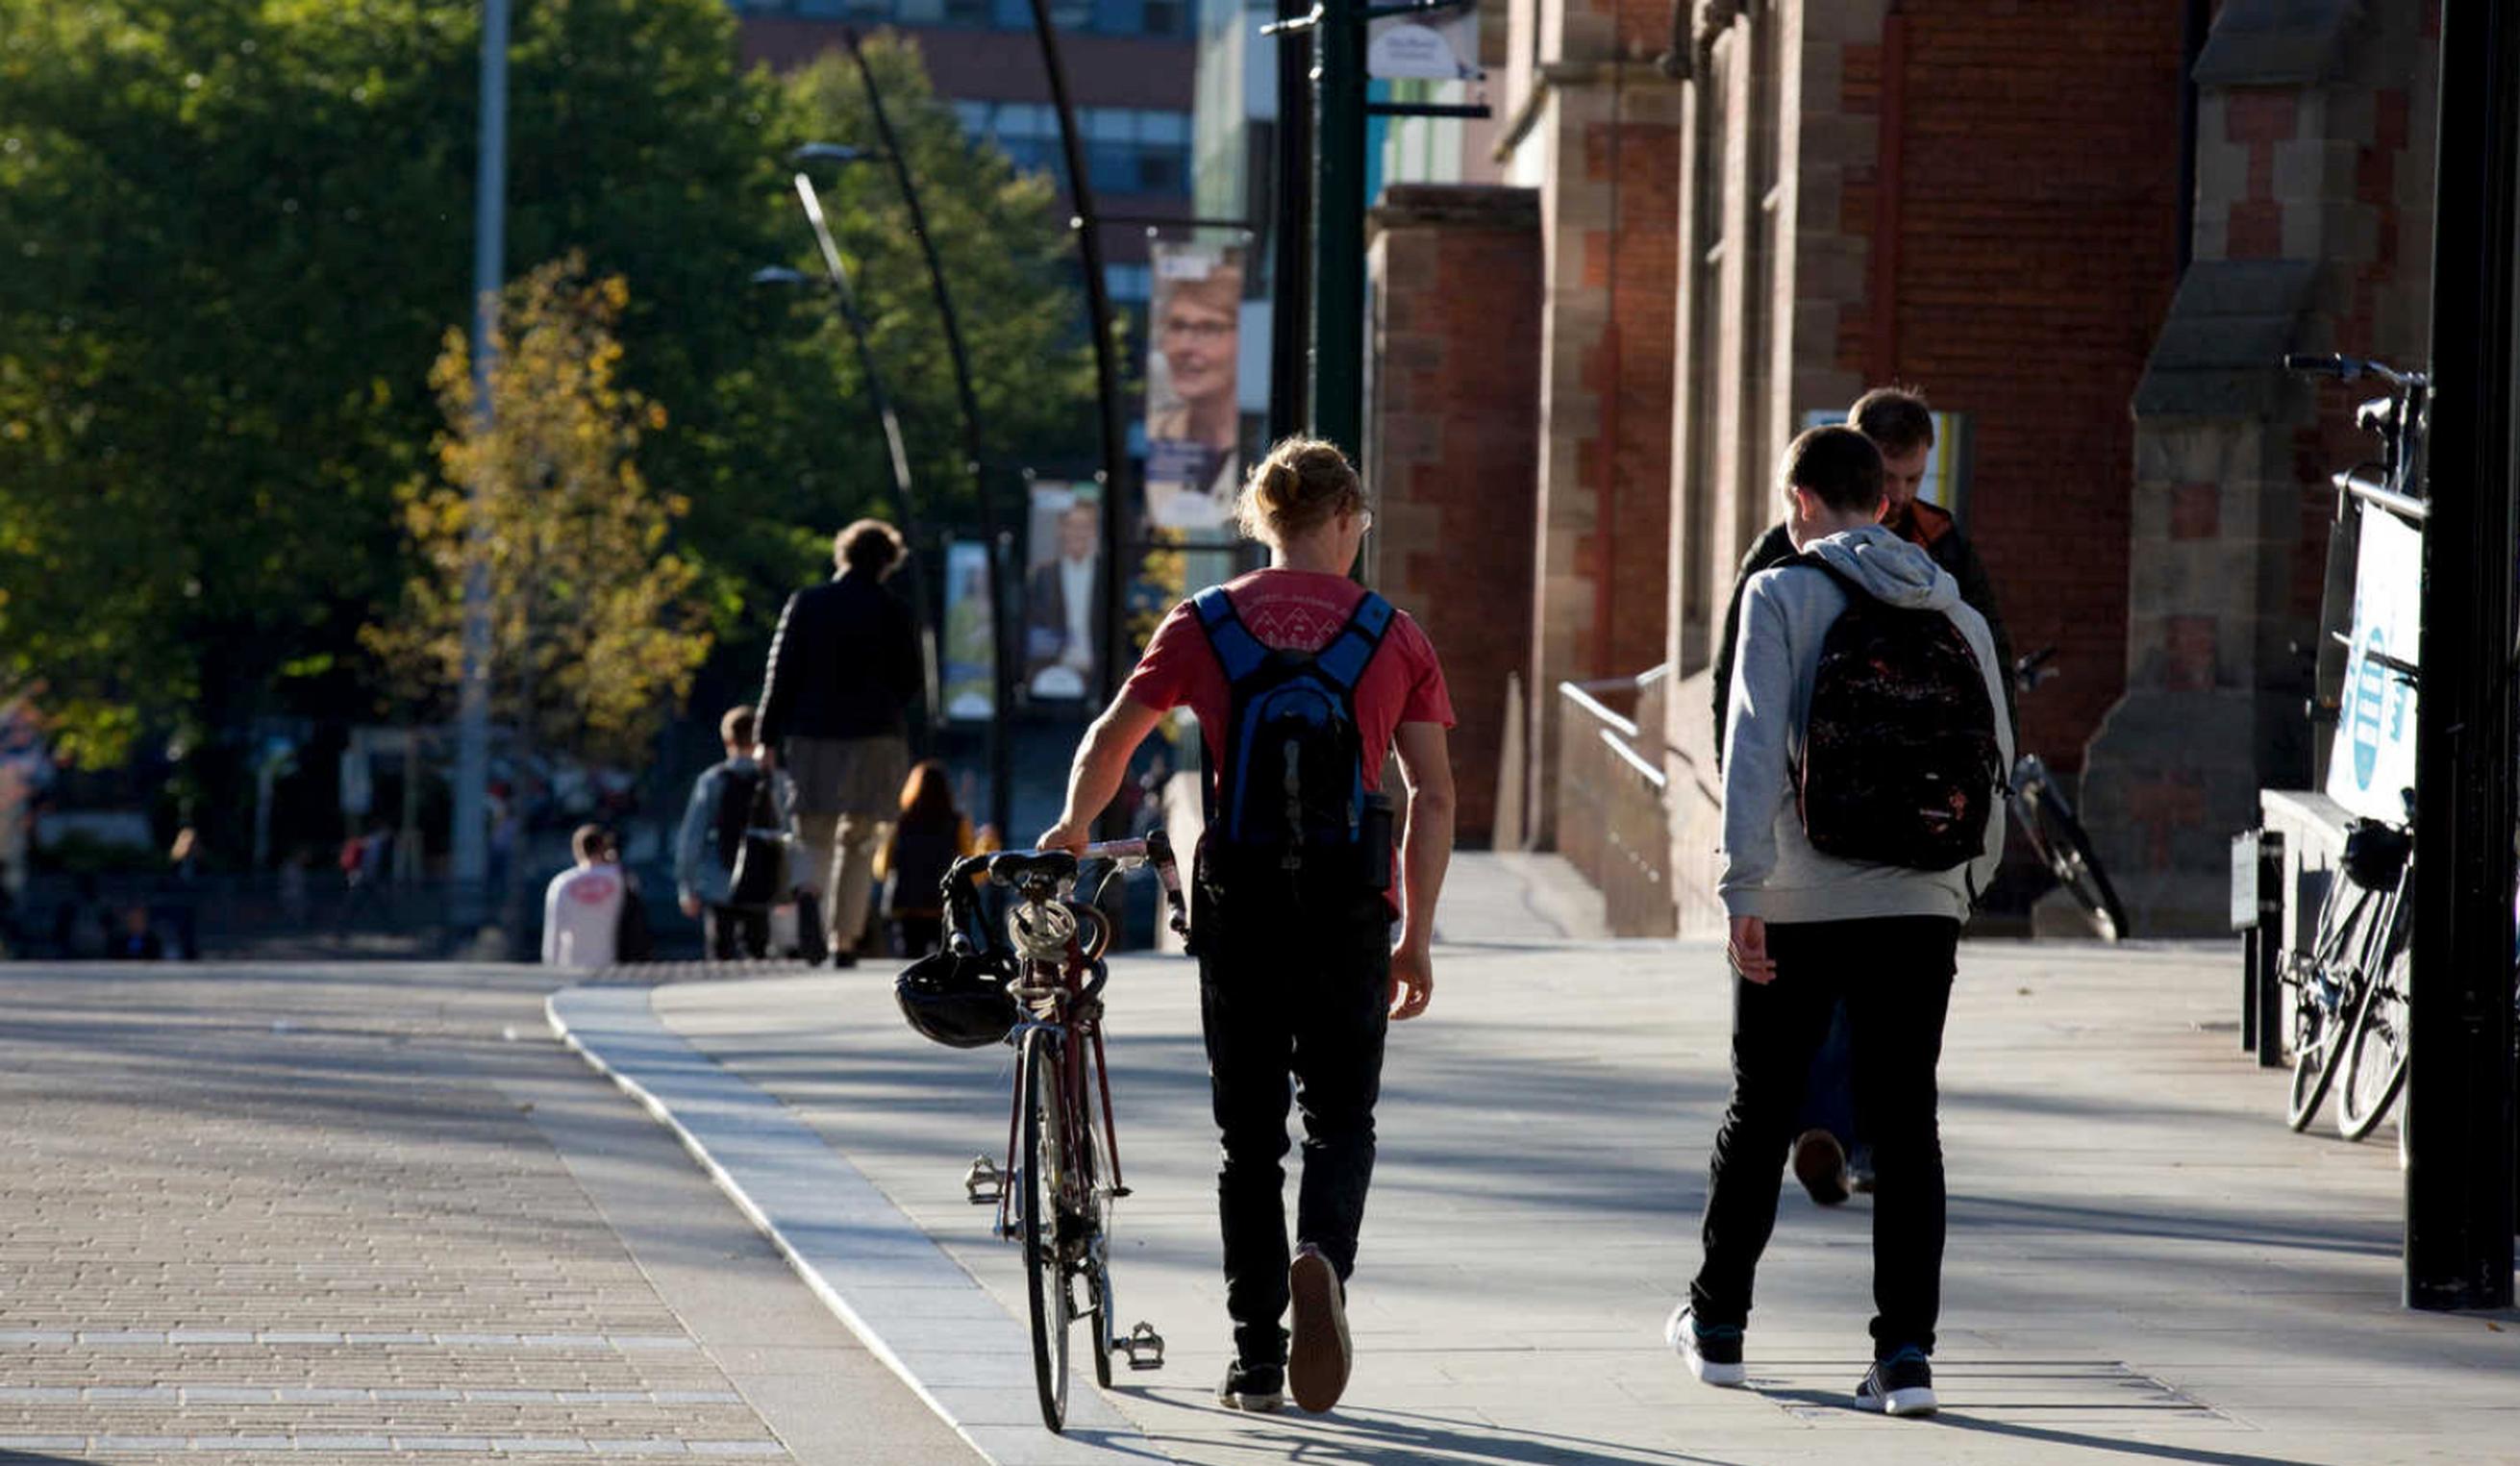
[{"x": 1769, "y": 868}]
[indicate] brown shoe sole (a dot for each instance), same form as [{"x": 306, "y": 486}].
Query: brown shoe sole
[
  {"x": 1318, "y": 1358},
  {"x": 1821, "y": 1165}
]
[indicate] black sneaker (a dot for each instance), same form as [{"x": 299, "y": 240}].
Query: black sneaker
[
  {"x": 1712, "y": 1351},
  {"x": 1899, "y": 1385},
  {"x": 1820, "y": 1164},
  {"x": 1260, "y": 1389},
  {"x": 1321, "y": 1356}
]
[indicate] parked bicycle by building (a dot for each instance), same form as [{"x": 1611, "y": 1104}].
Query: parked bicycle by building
[
  {"x": 2044, "y": 815},
  {"x": 2350, "y": 989}
]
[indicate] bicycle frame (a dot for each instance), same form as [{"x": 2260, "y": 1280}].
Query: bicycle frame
[{"x": 1058, "y": 944}]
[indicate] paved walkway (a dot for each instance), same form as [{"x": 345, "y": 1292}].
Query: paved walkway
[
  {"x": 2144, "y": 1264},
  {"x": 371, "y": 1211}
]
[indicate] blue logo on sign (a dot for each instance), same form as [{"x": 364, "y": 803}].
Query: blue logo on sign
[{"x": 2371, "y": 695}]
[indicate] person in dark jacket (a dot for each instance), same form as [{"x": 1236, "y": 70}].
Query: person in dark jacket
[
  {"x": 1902, "y": 426},
  {"x": 1831, "y": 1155},
  {"x": 843, "y": 668}
]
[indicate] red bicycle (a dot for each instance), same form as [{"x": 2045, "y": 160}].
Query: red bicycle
[{"x": 1062, "y": 1166}]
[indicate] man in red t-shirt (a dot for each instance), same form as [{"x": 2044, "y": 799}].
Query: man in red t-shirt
[{"x": 1298, "y": 973}]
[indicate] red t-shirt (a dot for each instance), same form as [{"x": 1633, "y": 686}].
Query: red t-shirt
[{"x": 1295, "y": 610}]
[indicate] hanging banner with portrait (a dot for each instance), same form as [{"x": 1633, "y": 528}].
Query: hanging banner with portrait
[
  {"x": 1194, "y": 413},
  {"x": 971, "y": 634},
  {"x": 1062, "y": 587}
]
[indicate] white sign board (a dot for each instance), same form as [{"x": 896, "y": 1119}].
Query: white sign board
[
  {"x": 2373, "y": 759},
  {"x": 1444, "y": 47}
]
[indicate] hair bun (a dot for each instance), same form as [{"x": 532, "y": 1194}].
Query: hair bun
[{"x": 1300, "y": 485}]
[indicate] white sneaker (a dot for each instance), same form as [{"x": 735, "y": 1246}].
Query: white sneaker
[
  {"x": 1712, "y": 1353},
  {"x": 1900, "y": 1385}
]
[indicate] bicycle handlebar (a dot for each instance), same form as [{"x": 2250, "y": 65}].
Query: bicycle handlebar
[
  {"x": 1018, "y": 873},
  {"x": 2350, "y": 368}
]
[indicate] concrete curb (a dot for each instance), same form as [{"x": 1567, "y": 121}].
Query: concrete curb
[{"x": 913, "y": 1306}]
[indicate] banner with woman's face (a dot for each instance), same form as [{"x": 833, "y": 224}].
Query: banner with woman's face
[{"x": 1193, "y": 412}]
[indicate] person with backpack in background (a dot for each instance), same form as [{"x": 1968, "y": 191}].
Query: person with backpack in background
[
  {"x": 733, "y": 798},
  {"x": 1830, "y": 1156},
  {"x": 1865, "y": 751},
  {"x": 1303, "y": 681},
  {"x": 931, "y": 836}
]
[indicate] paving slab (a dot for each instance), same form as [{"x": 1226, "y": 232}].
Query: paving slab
[
  {"x": 338, "y": 1212},
  {"x": 2143, "y": 1263}
]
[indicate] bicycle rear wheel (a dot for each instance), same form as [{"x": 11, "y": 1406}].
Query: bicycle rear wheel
[
  {"x": 2374, "y": 1068},
  {"x": 2059, "y": 838},
  {"x": 1045, "y": 1274}
]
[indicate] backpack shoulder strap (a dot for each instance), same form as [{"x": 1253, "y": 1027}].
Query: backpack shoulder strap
[
  {"x": 1344, "y": 661},
  {"x": 1236, "y": 650}
]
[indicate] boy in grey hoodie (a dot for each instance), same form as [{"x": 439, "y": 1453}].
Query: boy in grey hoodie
[{"x": 1810, "y": 930}]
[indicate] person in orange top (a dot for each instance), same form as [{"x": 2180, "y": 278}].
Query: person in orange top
[{"x": 926, "y": 841}]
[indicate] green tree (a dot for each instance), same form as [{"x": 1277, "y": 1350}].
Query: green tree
[
  {"x": 596, "y": 630},
  {"x": 236, "y": 230}
]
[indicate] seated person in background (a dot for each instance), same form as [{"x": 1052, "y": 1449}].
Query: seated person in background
[{"x": 582, "y": 907}]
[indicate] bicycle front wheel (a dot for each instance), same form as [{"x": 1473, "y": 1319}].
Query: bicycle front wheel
[
  {"x": 1044, "y": 1117},
  {"x": 1092, "y": 1190},
  {"x": 2066, "y": 851}
]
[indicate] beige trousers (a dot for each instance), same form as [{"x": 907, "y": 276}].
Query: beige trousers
[{"x": 843, "y": 847}]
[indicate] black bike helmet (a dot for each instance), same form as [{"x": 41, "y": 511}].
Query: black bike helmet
[
  {"x": 2375, "y": 854},
  {"x": 960, "y": 1001}
]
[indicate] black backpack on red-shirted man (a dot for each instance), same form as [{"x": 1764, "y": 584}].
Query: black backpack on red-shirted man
[{"x": 1900, "y": 766}]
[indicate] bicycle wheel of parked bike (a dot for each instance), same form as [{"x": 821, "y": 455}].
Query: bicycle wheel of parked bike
[
  {"x": 2325, "y": 995},
  {"x": 2066, "y": 851},
  {"x": 2375, "y": 1055},
  {"x": 1045, "y": 1118}
]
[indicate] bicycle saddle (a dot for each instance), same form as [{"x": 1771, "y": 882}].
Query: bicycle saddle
[{"x": 1025, "y": 867}]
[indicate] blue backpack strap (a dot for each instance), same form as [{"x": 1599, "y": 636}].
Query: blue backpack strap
[
  {"x": 1344, "y": 661},
  {"x": 1236, "y": 650}
]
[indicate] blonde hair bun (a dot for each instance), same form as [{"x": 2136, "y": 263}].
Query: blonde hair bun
[{"x": 1298, "y": 486}]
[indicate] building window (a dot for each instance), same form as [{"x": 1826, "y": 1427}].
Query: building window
[{"x": 1127, "y": 150}]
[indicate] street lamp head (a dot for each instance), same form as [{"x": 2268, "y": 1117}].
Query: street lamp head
[
  {"x": 838, "y": 155},
  {"x": 782, "y": 277}
]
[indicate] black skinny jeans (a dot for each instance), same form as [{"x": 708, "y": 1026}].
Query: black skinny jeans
[
  {"x": 732, "y": 932},
  {"x": 1894, "y": 974},
  {"x": 1290, "y": 992}
]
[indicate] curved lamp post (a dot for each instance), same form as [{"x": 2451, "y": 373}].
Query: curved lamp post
[
  {"x": 837, "y": 282},
  {"x": 1001, "y": 653}
]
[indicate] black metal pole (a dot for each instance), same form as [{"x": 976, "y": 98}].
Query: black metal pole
[
  {"x": 974, "y": 460},
  {"x": 1339, "y": 225},
  {"x": 2458, "y": 1106},
  {"x": 1290, "y": 242},
  {"x": 1106, "y": 370}
]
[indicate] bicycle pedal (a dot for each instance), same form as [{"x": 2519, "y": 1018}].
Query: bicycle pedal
[
  {"x": 984, "y": 1184},
  {"x": 1144, "y": 1346}
]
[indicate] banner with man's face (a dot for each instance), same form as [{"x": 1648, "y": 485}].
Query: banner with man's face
[
  {"x": 1063, "y": 593},
  {"x": 1194, "y": 413}
]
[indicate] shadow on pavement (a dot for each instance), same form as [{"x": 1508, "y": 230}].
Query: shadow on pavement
[
  {"x": 2041, "y": 1434},
  {"x": 1377, "y": 1436}
]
